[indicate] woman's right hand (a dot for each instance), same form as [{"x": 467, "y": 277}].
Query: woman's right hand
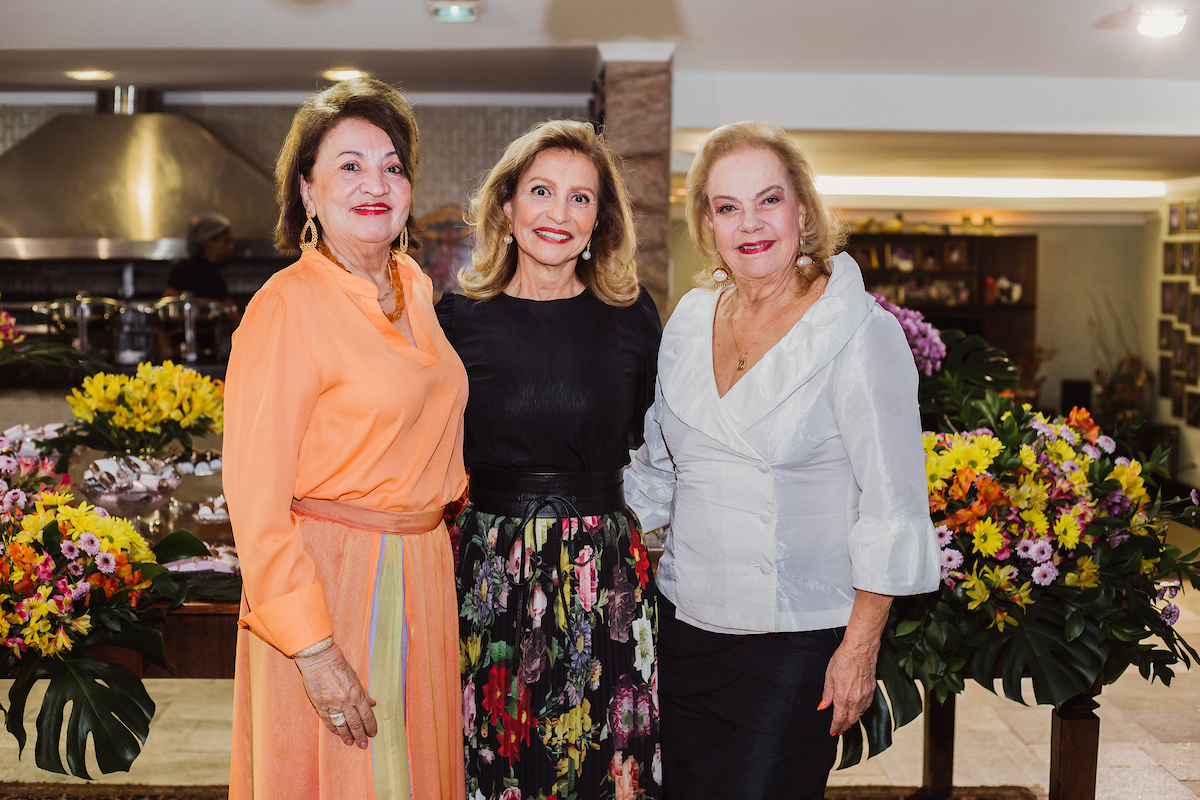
[{"x": 333, "y": 687}]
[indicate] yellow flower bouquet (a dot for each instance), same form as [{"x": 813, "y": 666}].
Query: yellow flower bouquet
[
  {"x": 143, "y": 413},
  {"x": 73, "y": 578}
]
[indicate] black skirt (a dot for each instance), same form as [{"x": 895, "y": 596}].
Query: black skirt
[{"x": 738, "y": 713}]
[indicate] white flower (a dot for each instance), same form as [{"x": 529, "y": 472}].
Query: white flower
[{"x": 643, "y": 634}]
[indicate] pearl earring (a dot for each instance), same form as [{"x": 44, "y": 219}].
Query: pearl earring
[
  {"x": 720, "y": 276},
  {"x": 508, "y": 239},
  {"x": 586, "y": 255}
]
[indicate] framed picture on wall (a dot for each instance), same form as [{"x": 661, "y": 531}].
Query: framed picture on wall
[
  {"x": 1195, "y": 323},
  {"x": 1187, "y": 258},
  {"x": 1168, "y": 297},
  {"x": 929, "y": 259},
  {"x": 1164, "y": 376},
  {"x": 1193, "y": 363},
  {"x": 1174, "y": 217},
  {"x": 1193, "y": 409},
  {"x": 865, "y": 255},
  {"x": 1181, "y": 303},
  {"x": 1177, "y": 391},
  {"x": 1179, "y": 350},
  {"x": 956, "y": 253},
  {"x": 1191, "y": 215},
  {"x": 901, "y": 257},
  {"x": 1166, "y": 334},
  {"x": 1170, "y": 258}
]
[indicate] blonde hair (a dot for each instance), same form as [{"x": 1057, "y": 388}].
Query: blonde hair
[
  {"x": 821, "y": 236},
  {"x": 357, "y": 98},
  {"x": 611, "y": 273}
]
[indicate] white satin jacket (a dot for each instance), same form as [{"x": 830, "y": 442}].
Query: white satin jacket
[{"x": 804, "y": 482}]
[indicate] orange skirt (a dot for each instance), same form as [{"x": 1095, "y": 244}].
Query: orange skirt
[{"x": 281, "y": 749}]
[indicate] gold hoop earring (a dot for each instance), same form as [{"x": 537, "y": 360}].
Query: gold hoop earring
[
  {"x": 721, "y": 275},
  {"x": 586, "y": 255},
  {"x": 403, "y": 246},
  {"x": 309, "y": 237}
]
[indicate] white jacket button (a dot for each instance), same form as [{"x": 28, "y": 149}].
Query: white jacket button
[
  {"x": 765, "y": 517},
  {"x": 763, "y": 468},
  {"x": 766, "y": 567}
]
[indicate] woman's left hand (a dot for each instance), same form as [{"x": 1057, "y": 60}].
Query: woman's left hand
[
  {"x": 850, "y": 676},
  {"x": 849, "y": 684}
]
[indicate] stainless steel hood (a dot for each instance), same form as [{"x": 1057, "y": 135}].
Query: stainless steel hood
[{"x": 125, "y": 186}]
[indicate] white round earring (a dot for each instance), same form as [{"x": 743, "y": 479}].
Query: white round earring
[
  {"x": 720, "y": 276},
  {"x": 508, "y": 239}
]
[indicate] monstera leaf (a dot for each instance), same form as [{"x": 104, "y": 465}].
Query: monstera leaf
[
  {"x": 969, "y": 371},
  {"x": 1060, "y": 650},
  {"x": 108, "y": 702},
  {"x": 878, "y": 722}
]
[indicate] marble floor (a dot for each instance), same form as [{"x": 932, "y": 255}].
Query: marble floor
[{"x": 1150, "y": 738}]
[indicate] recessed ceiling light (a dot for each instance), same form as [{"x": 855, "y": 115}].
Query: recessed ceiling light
[
  {"x": 453, "y": 10},
  {"x": 343, "y": 73},
  {"x": 90, "y": 75},
  {"x": 1162, "y": 21}
]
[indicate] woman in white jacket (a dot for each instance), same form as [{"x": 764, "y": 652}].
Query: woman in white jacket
[{"x": 784, "y": 448}]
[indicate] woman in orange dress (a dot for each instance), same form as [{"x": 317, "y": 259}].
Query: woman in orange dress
[{"x": 343, "y": 443}]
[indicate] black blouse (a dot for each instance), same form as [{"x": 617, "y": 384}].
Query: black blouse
[{"x": 555, "y": 385}]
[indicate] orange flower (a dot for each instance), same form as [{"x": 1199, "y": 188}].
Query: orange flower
[{"x": 1081, "y": 420}]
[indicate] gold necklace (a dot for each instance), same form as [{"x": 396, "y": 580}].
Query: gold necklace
[
  {"x": 741, "y": 365},
  {"x": 395, "y": 285}
]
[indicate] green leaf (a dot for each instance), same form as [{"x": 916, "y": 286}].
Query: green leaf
[
  {"x": 1038, "y": 646},
  {"x": 1074, "y": 626},
  {"x": 32, "y": 670},
  {"x": 179, "y": 544},
  {"x": 852, "y": 746},
  {"x": 500, "y": 651},
  {"x": 108, "y": 703},
  {"x": 907, "y": 626}
]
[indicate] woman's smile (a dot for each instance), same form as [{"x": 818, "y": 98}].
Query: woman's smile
[{"x": 761, "y": 246}]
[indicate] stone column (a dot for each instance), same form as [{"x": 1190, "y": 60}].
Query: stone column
[{"x": 634, "y": 104}]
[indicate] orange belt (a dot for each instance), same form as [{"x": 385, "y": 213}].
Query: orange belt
[{"x": 369, "y": 519}]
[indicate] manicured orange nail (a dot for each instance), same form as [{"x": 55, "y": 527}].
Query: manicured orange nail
[{"x": 821, "y": 705}]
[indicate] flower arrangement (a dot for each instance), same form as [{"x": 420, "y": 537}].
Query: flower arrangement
[
  {"x": 73, "y": 578},
  {"x": 924, "y": 340},
  {"x": 1121, "y": 391},
  {"x": 143, "y": 413},
  {"x": 14, "y": 348},
  {"x": 1053, "y": 561}
]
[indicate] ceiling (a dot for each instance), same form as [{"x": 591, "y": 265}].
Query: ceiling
[
  {"x": 988, "y": 155},
  {"x": 914, "y": 37},
  {"x": 549, "y": 46}
]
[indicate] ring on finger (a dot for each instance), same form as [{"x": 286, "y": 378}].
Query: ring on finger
[{"x": 338, "y": 719}]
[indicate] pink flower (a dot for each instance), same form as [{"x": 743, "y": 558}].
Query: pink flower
[
  {"x": 944, "y": 535},
  {"x": 511, "y": 793},
  {"x": 487, "y": 755},
  {"x": 1044, "y": 574},
  {"x": 469, "y": 706},
  {"x": 537, "y": 605},
  {"x": 90, "y": 544},
  {"x": 69, "y": 548},
  {"x": 586, "y": 577},
  {"x": 43, "y": 570},
  {"x": 514, "y": 558},
  {"x": 656, "y": 765},
  {"x": 8, "y": 464},
  {"x": 1025, "y": 548},
  {"x": 951, "y": 559},
  {"x": 106, "y": 563},
  {"x": 1042, "y": 550}
]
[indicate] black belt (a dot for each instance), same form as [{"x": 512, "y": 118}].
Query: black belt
[{"x": 550, "y": 494}]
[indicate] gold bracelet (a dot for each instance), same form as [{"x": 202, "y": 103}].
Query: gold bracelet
[{"x": 315, "y": 649}]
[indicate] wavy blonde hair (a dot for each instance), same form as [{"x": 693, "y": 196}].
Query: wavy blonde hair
[
  {"x": 822, "y": 235},
  {"x": 611, "y": 273}
]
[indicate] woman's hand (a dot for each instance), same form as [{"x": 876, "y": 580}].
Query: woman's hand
[
  {"x": 333, "y": 688},
  {"x": 850, "y": 677},
  {"x": 849, "y": 684}
]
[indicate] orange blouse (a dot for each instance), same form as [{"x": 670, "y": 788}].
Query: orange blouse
[{"x": 325, "y": 398}]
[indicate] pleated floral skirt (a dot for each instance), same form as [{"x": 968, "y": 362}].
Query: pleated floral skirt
[{"x": 557, "y": 621}]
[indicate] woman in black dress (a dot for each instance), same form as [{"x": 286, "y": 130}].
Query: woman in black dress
[{"x": 557, "y": 603}]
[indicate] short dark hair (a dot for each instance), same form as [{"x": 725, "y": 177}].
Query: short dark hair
[{"x": 367, "y": 99}]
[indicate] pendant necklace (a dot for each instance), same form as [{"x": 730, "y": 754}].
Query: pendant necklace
[
  {"x": 741, "y": 365},
  {"x": 394, "y": 286}
]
